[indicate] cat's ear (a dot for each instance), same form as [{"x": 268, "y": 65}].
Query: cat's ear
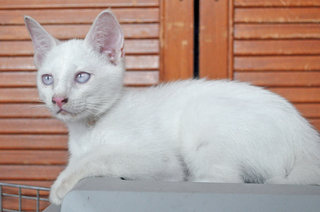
[
  {"x": 106, "y": 37},
  {"x": 42, "y": 41}
]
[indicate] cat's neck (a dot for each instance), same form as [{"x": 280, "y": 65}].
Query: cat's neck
[
  {"x": 79, "y": 130},
  {"x": 77, "y": 126}
]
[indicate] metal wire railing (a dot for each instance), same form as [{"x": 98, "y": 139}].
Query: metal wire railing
[{"x": 20, "y": 196}]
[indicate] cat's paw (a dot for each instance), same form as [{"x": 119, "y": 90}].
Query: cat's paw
[
  {"x": 54, "y": 198},
  {"x": 60, "y": 188}
]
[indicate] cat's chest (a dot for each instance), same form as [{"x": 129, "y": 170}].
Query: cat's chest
[
  {"x": 85, "y": 137},
  {"x": 80, "y": 139}
]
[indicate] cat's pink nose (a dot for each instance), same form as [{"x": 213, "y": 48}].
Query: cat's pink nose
[{"x": 60, "y": 101}]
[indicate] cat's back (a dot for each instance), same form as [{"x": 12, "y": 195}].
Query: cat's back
[
  {"x": 218, "y": 98},
  {"x": 219, "y": 90}
]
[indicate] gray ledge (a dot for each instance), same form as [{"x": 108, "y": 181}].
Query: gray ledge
[{"x": 100, "y": 194}]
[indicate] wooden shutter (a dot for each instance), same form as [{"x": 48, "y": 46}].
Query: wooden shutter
[
  {"x": 270, "y": 43},
  {"x": 33, "y": 145},
  {"x": 177, "y": 32},
  {"x": 215, "y": 59}
]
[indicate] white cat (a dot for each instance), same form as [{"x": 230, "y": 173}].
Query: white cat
[{"x": 195, "y": 130}]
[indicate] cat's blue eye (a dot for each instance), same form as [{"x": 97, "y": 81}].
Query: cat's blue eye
[
  {"x": 47, "y": 79},
  {"x": 82, "y": 77}
]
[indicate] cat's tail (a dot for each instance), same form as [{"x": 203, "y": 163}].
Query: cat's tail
[
  {"x": 303, "y": 172},
  {"x": 304, "y": 166}
]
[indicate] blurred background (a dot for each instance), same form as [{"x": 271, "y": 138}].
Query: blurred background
[{"x": 270, "y": 43}]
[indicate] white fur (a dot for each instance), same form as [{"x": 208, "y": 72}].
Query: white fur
[{"x": 197, "y": 130}]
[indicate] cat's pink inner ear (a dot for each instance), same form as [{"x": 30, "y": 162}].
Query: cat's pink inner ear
[
  {"x": 42, "y": 41},
  {"x": 106, "y": 37}
]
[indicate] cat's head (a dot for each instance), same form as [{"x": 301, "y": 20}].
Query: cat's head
[{"x": 79, "y": 79}]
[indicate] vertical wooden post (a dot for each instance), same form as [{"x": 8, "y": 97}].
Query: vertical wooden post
[
  {"x": 215, "y": 33},
  {"x": 176, "y": 40}
]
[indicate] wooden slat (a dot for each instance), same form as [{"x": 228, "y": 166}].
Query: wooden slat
[
  {"x": 24, "y": 111},
  {"x": 33, "y": 157},
  {"x": 142, "y": 62},
  {"x": 26, "y": 63},
  {"x": 141, "y": 78},
  {"x": 176, "y": 40},
  {"x": 214, "y": 39},
  {"x": 277, "y": 15},
  {"x": 17, "y": 79},
  {"x": 276, "y": 31},
  {"x": 15, "y": 95},
  {"x": 276, "y": 3},
  {"x": 82, "y": 16},
  {"x": 27, "y": 205},
  {"x": 31, "y": 172},
  {"x": 9, "y": 4},
  {"x": 309, "y": 110},
  {"x": 276, "y": 47},
  {"x": 79, "y": 31},
  {"x": 147, "y": 46},
  {"x": 31, "y": 142},
  {"x": 299, "y": 95},
  {"x": 280, "y": 78},
  {"x": 16, "y": 64},
  {"x": 32, "y": 126},
  {"x": 283, "y": 63},
  {"x": 16, "y": 48},
  {"x": 24, "y": 48}
]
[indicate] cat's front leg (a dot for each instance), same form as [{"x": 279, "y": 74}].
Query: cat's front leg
[
  {"x": 117, "y": 161},
  {"x": 63, "y": 184},
  {"x": 67, "y": 179}
]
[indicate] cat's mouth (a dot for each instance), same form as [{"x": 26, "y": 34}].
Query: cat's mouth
[{"x": 65, "y": 112}]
